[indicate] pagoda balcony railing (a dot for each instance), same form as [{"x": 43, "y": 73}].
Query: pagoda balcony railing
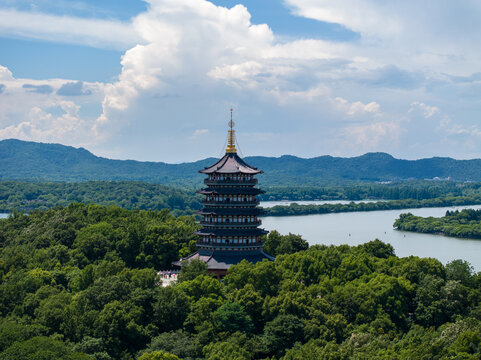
[
  {"x": 235, "y": 203},
  {"x": 210, "y": 182},
  {"x": 231, "y": 224},
  {"x": 235, "y": 247}
]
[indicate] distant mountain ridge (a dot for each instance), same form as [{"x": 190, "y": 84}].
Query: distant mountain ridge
[{"x": 23, "y": 160}]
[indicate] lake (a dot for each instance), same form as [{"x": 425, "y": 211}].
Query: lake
[
  {"x": 3, "y": 216},
  {"x": 355, "y": 228}
]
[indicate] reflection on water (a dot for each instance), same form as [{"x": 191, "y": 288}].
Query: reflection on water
[
  {"x": 358, "y": 227},
  {"x": 3, "y": 216}
]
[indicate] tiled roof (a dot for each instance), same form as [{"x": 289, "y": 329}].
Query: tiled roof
[
  {"x": 232, "y": 211},
  {"x": 232, "y": 232},
  {"x": 231, "y": 191},
  {"x": 222, "y": 260},
  {"x": 230, "y": 163}
]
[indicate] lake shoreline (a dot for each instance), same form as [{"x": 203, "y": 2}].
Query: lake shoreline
[
  {"x": 355, "y": 228},
  {"x": 294, "y": 209}
]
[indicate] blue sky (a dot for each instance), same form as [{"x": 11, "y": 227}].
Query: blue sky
[{"x": 154, "y": 80}]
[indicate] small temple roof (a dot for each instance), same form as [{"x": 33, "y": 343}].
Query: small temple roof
[
  {"x": 222, "y": 260},
  {"x": 230, "y": 163}
]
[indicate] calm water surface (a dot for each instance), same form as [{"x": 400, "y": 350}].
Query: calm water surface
[
  {"x": 3, "y": 216},
  {"x": 359, "y": 227}
]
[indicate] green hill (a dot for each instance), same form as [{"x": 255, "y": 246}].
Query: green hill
[{"x": 23, "y": 160}]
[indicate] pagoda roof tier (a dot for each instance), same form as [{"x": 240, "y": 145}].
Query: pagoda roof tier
[
  {"x": 230, "y": 163},
  {"x": 211, "y": 182},
  {"x": 206, "y": 224},
  {"x": 224, "y": 259},
  {"x": 216, "y": 203},
  {"x": 230, "y": 211},
  {"x": 232, "y": 232},
  {"x": 231, "y": 191}
]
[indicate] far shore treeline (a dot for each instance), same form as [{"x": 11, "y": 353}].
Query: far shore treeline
[{"x": 26, "y": 196}]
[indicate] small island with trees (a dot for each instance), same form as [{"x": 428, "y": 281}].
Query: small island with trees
[{"x": 462, "y": 224}]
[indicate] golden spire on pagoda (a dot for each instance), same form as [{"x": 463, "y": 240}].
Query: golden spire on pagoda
[{"x": 231, "y": 136}]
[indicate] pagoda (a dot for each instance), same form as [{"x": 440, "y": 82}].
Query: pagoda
[{"x": 230, "y": 215}]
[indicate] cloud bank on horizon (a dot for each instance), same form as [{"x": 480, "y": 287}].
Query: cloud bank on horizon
[{"x": 407, "y": 84}]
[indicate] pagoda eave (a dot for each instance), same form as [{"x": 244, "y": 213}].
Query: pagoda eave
[
  {"x": 230, "y": 163},
  {"x": 229, "y": 211},
  {"x": 231, "y": 191},
  {"x": 223, "y": 260},
  {"x": 231, "y": 232}
]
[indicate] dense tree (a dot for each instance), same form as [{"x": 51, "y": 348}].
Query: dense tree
[
  {"x": 464, "y": 224},
  {"x": 277, "y": 244},
  {"x": 231, "y": 317},
  {"x": 282, "y": 333},
  {"x": 26, "y": 196},
  {"x": 191, "y": 269},
  {"x": 158, "y": 355},
  {"x": 90, "y": 289},
  {"x": 443, "y": 201},
  {"x": 178, "y": 343},
  {"x": 40, "y": 348}
]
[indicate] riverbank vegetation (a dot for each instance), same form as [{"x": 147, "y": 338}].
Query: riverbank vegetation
[
  {"x": 394, "y": 190},
  {"x": 80, "y": 282},
  {"x": 296, "y": 209},
  {"x": 27, "y": 196},
  {"x": 464, "y": 224}
]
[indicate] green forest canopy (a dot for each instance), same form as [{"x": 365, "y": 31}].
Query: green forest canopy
[
  {"x": 25, "y": 196},
  {"x": 80, "y": 282}
]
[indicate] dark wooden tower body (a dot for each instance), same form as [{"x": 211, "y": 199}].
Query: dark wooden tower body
[{"x": 230, "y": 214}]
